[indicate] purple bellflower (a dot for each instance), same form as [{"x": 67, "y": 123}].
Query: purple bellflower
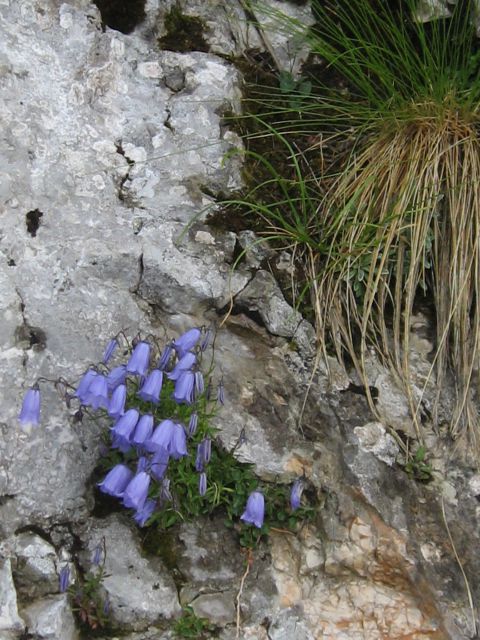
[
  {"x": 116, "y": 481},
  {"x": 255, "y": 509},
  {"x": 165, "y": 357},
  {"x": 136, "y": 491},
  {"x": 123, "y": 429},
  {"x": 96, "y": 395},
  {"x": 116, "y": 406},
  {"x": 142, "y": 464},
  {"x": 152, "y": 386},
  {"x": 116, "y": 376},
  {"x": 206, "y": 339},
  {"x": 186, "y": 341},
  {"x": 84, "y": 384},
  {"x": 97, "y": 555},
  {"x": 138, "y": 363},
  {"x": 204, "y": 451},
  {"x": 64, "y": 578},
  {"x": 143, "y": 514},
  {"x": 161, "y": 437},
  {"x": 221, "y": 393},
  {"x": 143, "y": 431},
  {"x": 296, "y": 493},
  {"x": 193, "y": 424},
  {"x": 29, "y": 416},
  {"x": 185, "y": 388},
  {"x": 184, "y": 364},
  {"x": 199, "y": 383},
  {"x": 169, "y": 436},
  {"x": 159, "y": 464},
  {"x": 202, "y": 484},
  {"x": 109, "y": 350}
]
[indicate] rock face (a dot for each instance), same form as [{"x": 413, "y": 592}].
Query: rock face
[{"x": 112, "y": 153}]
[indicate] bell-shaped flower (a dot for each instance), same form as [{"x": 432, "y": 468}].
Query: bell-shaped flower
[
  {"x": 139, "y": 360},
  {"x": 116, "y": 481},
  {"x": 116, "y": 406},
  {"x": 221, "y": 393},
  {"x": 84, "y": 384},
  {"x": 255, "y": 509},
  {"x": 96, "y": 395},
  {"x": 152, "y": 386},
  {"x": 64, "y": 578},
  {"x": 204, "y": 451},
  {"x": 116, "y": 376},
  {"x": 206, "y": 339},
  {"x": 159, "y": 464},
  {"x": 165, "y": 357},
  {"x": 122, "y": 430},
  {"x": 186, "y": 341},
  {"x": 199, "y": 383},
  {"x": 202, "y": 484},
  {"x": 98, "y": 555},
  {"x": 143, "y": 431},
  {"x": 185, "y": 388},
  {"x": 109, "y": 350},
  {"x": 161, "y": 437},
  {"x": 29, "y": 415},
  {"x": 169, "y": 436},
  {"x": 184, "y": 364},
  {"x": 296, "y": 493},
  {"x": 143, "y": 514},
  {"x": 193, "y": 424},
  {"x": 178, "y": 444},
  {"x": 136, "y": 491}
]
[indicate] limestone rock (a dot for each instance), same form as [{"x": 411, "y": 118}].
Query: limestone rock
[
  {"x": 51, "y": 618},
  {"x": 36, "y": 566},
  {"x": 10, "y": 621},
  {"x": 140, "y": 591}
]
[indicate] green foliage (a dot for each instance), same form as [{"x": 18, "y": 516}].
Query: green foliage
[
  {"x": 229, "y": 481},
  {"x": 370, "y": 176},
  {"x": 189, "y": 626},
  {"x": 417, "y": 467},
  {"x": 88, "y": 600}
]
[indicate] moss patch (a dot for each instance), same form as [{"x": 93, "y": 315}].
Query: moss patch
[{"x": 184, "y": 33}]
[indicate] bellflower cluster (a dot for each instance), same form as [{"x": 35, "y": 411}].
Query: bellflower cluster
[{"x": 159, "y": 407}]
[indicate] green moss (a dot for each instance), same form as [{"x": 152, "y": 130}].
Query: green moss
[{"x": 184, "y": 33}]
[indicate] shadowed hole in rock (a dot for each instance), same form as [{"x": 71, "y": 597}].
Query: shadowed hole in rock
[
  {"x": 121, "y": 15},
  {"x": 30, "y": 337},
  {"x": 32, "y": 219}
]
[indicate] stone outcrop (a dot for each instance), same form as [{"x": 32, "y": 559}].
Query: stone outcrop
[{"x": 113, "y": 152}]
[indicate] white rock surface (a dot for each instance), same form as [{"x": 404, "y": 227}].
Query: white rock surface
[{"x": 140, "y": 591}]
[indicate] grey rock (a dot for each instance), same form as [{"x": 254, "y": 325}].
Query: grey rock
[
  {"x": 255, "y": 247},
  {"x": 51, "y": 619},
  {"x": 374, "y": 438},
  {"x": 263, "y": 294},
  {"x": 288, "y": 624},
  {"x": 36, "y": 566},
  {"x": 219, "y": 608},
  {"x": 10, "y": 621},
  {"x": 140, "y": 591}
]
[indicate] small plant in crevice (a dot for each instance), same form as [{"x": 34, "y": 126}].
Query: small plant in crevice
[
  {"x": 87, "y": 596},
  {"x": 161, "y": 458},
  {"x": 417, "y": 466},
  {"x": 191, "y": 626}
]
